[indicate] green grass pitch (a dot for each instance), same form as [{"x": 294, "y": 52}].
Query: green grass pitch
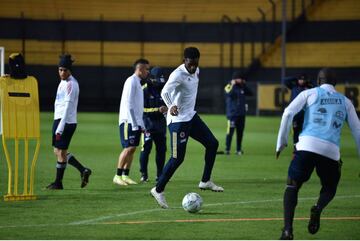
[{"x": 250, "y": 207}]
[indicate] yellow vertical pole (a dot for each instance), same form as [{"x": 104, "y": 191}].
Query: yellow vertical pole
[
  {"x": 16, "y": 167},
  {"x": 33, "y": 163},
  {"x": 26, "y": 158},
  {"x": 26, "y": 168},
  {"x": 7, "y": 155}
]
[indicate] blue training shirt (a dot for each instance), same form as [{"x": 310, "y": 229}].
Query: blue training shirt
[{"x": 325, "y": 118}]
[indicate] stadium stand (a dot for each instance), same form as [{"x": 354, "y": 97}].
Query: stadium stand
[
  {"x": 105, "y": 37},
  {"x": 127, "y": 10}
]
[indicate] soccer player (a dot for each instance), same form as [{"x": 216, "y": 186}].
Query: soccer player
[
  {"x": 65, "y": 122},
  {"x": 326, "y": 110},
  {"x": 130, "y": 120},
  {"x": 179, "y": 94},
  {"x": 297, "y": 85},
  {"x": 235, "y": 93},
  {"x": 155, "y": 123}
]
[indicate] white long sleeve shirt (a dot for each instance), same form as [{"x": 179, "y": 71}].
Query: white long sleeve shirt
[
  {"x": 181, "y": 90},
  {"x": 66, "y": 103},
  {"x": 132, "y": 103},
  {"x": 310, "y": 143}
]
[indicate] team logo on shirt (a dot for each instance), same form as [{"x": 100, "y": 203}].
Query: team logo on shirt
[
  {"x": 322, "y": 111},
  {"x": 336, "y": 125},
  {"x": 340, "y": 115}
]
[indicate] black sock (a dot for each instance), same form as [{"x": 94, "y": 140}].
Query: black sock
[
  {"x": 60, "y": 169},
  {"x": 290, "y": 202},
  {"x": 126, "y": 172},
  {"x": 119, "y": 171},
  {"x": 73, "y": 162}
]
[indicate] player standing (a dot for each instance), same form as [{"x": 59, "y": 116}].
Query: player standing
[
  {"x": 235, "y": 93},
  {"x": 131, "y": 120},
  {"x": 65, "y": 122},
  {"x": 155, "y": 123},
  {"x": 297, "y": 85}
]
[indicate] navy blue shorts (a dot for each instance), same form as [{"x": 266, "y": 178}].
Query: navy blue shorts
[
  {"x": 128, "y": 137},
  {"x": 64, "y": 142},
  {"x": 304, "y": 162},
  {"x": 196, "y": 129}
]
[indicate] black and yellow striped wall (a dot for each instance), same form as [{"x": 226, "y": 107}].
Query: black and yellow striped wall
[{"x": 106, "y": 37}]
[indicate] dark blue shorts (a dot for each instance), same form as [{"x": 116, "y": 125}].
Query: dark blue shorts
[
  {"x": 128, "y": 137},
  {"x": 66, "y": 136},
  {"x": 304, "y": 163},
  {"x": 196, "y": 129}
]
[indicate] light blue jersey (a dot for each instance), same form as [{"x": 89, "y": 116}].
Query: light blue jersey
[{"x": 325, "y": 118}]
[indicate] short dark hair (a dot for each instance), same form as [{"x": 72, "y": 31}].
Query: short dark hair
[
  {"x": 66, "y": 61},
  {"x": 140, "y": 61},
  {"x": 191, "y": 53},
  {"x": 237, "y": 75},
  {"x": 304, "y": 76},
  {"x": 327, "y": 76}
]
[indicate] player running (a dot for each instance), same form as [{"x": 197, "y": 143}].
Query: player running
[{"x": 326, "y": 110}]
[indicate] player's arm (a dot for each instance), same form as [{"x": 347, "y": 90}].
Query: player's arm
[
  {"x": 130, "y": 95},
  {"x": 229, "y": 87},
  {"x": 171, "y": 84},
  {"x": 294, "y": 107},
  {"x": 69, "y": 99},
  {"x": 353, "y": 122}
]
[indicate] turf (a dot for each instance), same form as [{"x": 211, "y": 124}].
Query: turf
[{"x": 250, "y": 207}]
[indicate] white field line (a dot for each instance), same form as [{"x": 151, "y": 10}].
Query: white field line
[
  {"x": 221, "y": 220},
  {"x": 96, "y": 221}
]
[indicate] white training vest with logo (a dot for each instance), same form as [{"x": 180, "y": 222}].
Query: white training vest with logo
[{"x": 325, "y": 118}]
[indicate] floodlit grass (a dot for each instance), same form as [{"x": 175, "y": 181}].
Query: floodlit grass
[{"x": 250, "y": 207}]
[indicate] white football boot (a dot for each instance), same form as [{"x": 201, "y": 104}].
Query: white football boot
[
  {"x": 159, "y": 197},
  {"x": 209, "y": 185}
]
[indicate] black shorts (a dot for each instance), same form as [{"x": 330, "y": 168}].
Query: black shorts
[
  {"x": 66, "y": 136},
  {"x": 304, "y": 163}
]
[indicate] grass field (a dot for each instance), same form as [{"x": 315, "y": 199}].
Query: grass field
[{"x": 250, "y": 207}]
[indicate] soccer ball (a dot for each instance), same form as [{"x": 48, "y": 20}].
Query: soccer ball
[{"x": 192, "y": 202}]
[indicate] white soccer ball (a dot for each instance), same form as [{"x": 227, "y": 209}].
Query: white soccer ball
[{"x": 192, "y": 202}]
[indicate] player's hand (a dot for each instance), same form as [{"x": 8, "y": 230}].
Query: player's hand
[
  {"x": 174, "y": 110},
  {"x": 58, "y": 137},
  {"x": 282, "y": 147},
  {"x": 163, "y": 109}
]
